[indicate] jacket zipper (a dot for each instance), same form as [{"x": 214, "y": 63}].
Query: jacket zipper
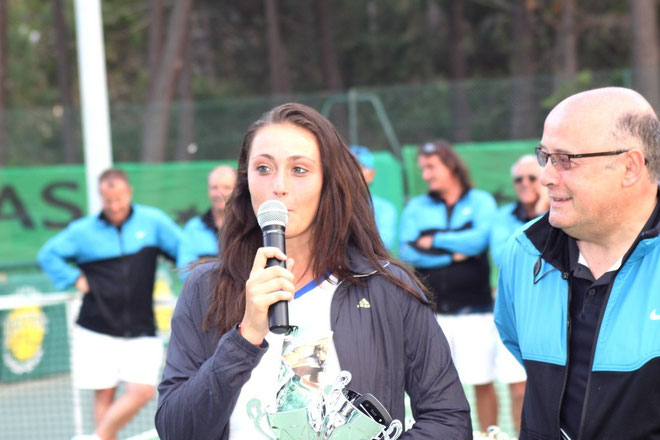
[
  {"x": 124, "y": 266},
  {"x": 449, "y": 210},
  {"x": 565, "y": 276}
]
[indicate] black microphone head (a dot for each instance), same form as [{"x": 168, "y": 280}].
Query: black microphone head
[{"x": 272, "y": 212}]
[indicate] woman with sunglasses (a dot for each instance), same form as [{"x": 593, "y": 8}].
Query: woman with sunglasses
[{"x": 345, "y": 293}]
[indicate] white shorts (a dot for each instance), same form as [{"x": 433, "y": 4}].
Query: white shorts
[
  {"x": 101, "y": 361},
  {"x": 473, "y": 342}
]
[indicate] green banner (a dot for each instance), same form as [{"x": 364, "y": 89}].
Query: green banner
[{"x": 37, "y": 202}]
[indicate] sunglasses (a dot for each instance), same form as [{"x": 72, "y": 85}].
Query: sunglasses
[
  {"x": 519, "y": 179},
  {"x": 564, "y": 159}
]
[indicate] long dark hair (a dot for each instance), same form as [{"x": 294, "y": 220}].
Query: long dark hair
[
  {"x": 344, "y": 219},
  {"x": 450, "y": 158}
]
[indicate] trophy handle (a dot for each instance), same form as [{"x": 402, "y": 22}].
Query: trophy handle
[
  {"x": 393, "y": 431},
  {"x": 342, "y": 380},
  {"x": 257, "y": 415}
]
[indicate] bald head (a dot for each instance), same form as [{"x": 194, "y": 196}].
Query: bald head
[
  {"x": 527, "y": 162},
  {"x": 612, "y": 117},
  {"x": 606, "y": 100},
  {"x": 224, "y": 172},
  {"x": 221, "y": 183}
]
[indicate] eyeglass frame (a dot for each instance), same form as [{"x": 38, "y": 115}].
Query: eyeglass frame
[{"x": 539, "y": 153}]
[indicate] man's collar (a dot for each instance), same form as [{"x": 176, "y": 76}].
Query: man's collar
[
  {"x": 104, "y": 218},
  {"x": 209, "y": 220},
  {"x": 520, "y": 213},
  {"x": 437, "y": 196},
  {"x": 652, "y": 226},
  {"x": 556, "y": 247}
]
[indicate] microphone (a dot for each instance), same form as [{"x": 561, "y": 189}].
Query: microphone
[{"x": 272, "y": 218}]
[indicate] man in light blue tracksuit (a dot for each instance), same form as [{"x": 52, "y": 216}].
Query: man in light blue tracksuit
[
  {"x": 200, "y": 234},
  {"x": 115, "y": 255},
  {"x": 444, "y": 235},
  {"x": 532, "y": 202},
  {"x": 578, "y": 299}
]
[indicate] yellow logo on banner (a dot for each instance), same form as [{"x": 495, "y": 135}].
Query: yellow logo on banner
[
  {"x": 163, "y": 310},
  {"x": 24, "y": 330}
]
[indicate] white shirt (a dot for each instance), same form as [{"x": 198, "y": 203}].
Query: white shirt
[{"x": 308, "y": 352}]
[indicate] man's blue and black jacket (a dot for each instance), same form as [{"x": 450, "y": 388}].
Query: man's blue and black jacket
[
  {"x": 463, "y": 228},
  {"x": 119, "y": 264},
  {"x": 622, "y": 398}
]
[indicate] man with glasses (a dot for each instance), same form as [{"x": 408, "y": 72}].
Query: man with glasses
[
  {"x": 532, "y": 201},
  {"x": 579, "y": 291}
]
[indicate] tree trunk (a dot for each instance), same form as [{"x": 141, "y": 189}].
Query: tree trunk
[
  {"x": 160, "y": 99},
  {"x": 205, "y": 49},
  {"x": 566, "y": 64},
  {"x": 186, "y": 106},
  {"x": 646, "y": 62},
  {"x": 523, "y": 107},
  {"x": 63, "y": 81},
  {"x": 460, "y": 107},
  {"x": 329, "y": 65},
  {"x": 4, "y": 156},
  {"x": 433, "y": 31},
  {"x": 277, "y": 56},
  {"x": 155, "y": 42}
]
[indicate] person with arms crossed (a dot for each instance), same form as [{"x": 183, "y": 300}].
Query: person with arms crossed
[
  {"x": 367, "y": 312},
  {"x": 384, "y": 210},
  {"x": 532, "y": 202},
  {"x": 200, "y": 234},
  {"x": 114, "y": 338},
  {"x": 579, "y": 289},
  {"x": 444, "y": 235}
]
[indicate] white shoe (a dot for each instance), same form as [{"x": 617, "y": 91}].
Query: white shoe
[{"x": 86, "y": 437}]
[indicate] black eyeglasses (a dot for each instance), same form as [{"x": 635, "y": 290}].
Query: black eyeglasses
[
  {"x": 531, "y": 177},
  {"x": 564, "y": 159}
]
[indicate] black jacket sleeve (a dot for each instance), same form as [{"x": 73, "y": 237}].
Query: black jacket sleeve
[
  {"x": 202, "y": 379},
  {"x": 438, "y": 401}
]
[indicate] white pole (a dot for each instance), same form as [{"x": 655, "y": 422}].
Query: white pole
[{"x": 93, "y": 96}]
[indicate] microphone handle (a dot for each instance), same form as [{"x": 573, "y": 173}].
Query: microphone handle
[{"x": 278, "y": 313}]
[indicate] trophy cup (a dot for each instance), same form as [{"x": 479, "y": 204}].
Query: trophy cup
[
  {"x": 342, "y": 414},
  {"x": 297, "y": 415},
  {"x": 354, "y": 416}
]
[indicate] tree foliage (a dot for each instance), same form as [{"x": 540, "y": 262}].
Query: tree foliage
[{"x": 399, "y": 49}]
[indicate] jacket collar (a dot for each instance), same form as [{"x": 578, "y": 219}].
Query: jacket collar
[
  {"x": 520, "y": 213},
  {"x": 437, "y": 197},
  {"x": 209, "y": 221},
  {"x": 553, "y": 243},
  {"x": 359, "y": 265},
  {"x": 104, "y": 219}
]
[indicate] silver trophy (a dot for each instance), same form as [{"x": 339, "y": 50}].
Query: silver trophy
[
  {"x": 342, "y": 414},
  {"x": 349, "y": 416},
  {"x": 297, "y": 414}
]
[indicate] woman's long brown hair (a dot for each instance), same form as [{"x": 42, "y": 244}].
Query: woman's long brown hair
[{"x": 344, "y": 219}]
